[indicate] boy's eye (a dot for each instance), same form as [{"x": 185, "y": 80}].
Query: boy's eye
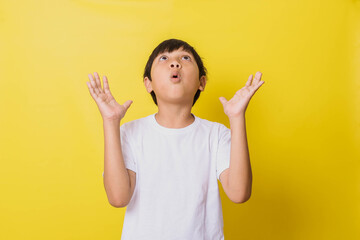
[{"x": 165, "y": 57}]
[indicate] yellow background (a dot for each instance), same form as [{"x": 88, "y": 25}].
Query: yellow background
[{"x": 303, "y": 124}]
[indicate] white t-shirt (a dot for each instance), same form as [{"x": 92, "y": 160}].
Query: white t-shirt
[{"x": 176, "y": 196}]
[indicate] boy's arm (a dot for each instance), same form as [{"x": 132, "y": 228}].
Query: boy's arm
[
  {"x": 237, "y": 179},
  {"x": 116, "y": 177}
]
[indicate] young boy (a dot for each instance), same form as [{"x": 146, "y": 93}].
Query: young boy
[{"x": 164, "y": 167}]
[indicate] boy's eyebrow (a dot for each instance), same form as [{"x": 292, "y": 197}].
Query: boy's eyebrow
[{"x": 181, "y": 52}]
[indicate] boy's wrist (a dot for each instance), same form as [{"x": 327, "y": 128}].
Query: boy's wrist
[
  {"x": 237, "y": 117},
  {"x": 235, "y": 121},
  {"x": 111, "y": 121}
]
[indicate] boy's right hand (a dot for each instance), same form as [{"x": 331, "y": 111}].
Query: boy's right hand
[{"x": 109, "y": 108}]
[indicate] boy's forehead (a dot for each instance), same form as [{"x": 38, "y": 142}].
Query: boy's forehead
[{"x": 176, "y": 50}]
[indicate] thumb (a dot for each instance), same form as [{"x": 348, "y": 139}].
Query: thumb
[
  {"x": 127, "y": 104},
  {"x": 223, "y": 100}
]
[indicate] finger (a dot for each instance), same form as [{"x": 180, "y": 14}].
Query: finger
[
  {"x": 248, "y": 83},
  {"x": 106, "y": 85},
  {"x": 92, "y": 93},
  {"x": 258, "y": 86},
  {"x": 222, "y": 100},
  {"x": 93, "y": 84},
  {"x": 127, "y": 104},
  {"x": 257, "y": 78},
  {"x": 98, "y": 82}
]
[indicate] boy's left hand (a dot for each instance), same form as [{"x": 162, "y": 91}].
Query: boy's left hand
[{"x": 236, "y": 106}]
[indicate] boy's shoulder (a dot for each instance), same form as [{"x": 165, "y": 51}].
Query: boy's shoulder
[
  {"x": 212, "y": 123},
  {"x": 135, "y": 123}
]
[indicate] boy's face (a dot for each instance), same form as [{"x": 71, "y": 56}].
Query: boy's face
[{"x": 179, "y": 89}]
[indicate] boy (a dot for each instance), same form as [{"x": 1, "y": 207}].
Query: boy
[{"x": 164, "y": 167}]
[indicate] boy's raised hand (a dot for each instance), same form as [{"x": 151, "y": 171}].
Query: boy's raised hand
[
  {"x": 237, "y": 105},
  {"x": 109, "y": 108}
]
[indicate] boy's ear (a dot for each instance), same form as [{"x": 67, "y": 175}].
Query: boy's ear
[
  {"x": 202, "y": 83},
  {"x": 147, "y": 84}
]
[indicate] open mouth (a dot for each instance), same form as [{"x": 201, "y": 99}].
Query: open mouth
[{"x": 175, "y": 76}]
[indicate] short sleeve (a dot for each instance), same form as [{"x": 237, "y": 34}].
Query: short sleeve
[
  {"x": 127, "y": 150},
  {"x": 223, "y": 150}
]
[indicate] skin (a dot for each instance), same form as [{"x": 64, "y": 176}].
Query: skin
[
  {"x": 237, "y": 179},
  {"x": 174, "y": 111},
  {"x": 119, "y": 182},
  {"x": 108, "y": 107},
  {"x": 174, "y": 99}
]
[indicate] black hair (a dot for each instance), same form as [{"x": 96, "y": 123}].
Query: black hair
[{"x": 169, "y": 46}]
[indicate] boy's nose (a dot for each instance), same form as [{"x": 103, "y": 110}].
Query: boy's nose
[{"x": 177, "y": 65}]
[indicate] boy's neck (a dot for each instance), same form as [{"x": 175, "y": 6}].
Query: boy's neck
[{"x": 174, "y": 117}]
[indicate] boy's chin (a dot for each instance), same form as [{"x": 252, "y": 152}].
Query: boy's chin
[{"x": 178, "y": 100}]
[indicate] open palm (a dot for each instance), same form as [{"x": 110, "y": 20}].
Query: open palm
[
  {"x": 106, "y": 103},
  {"x": 237, "y": 105}
]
